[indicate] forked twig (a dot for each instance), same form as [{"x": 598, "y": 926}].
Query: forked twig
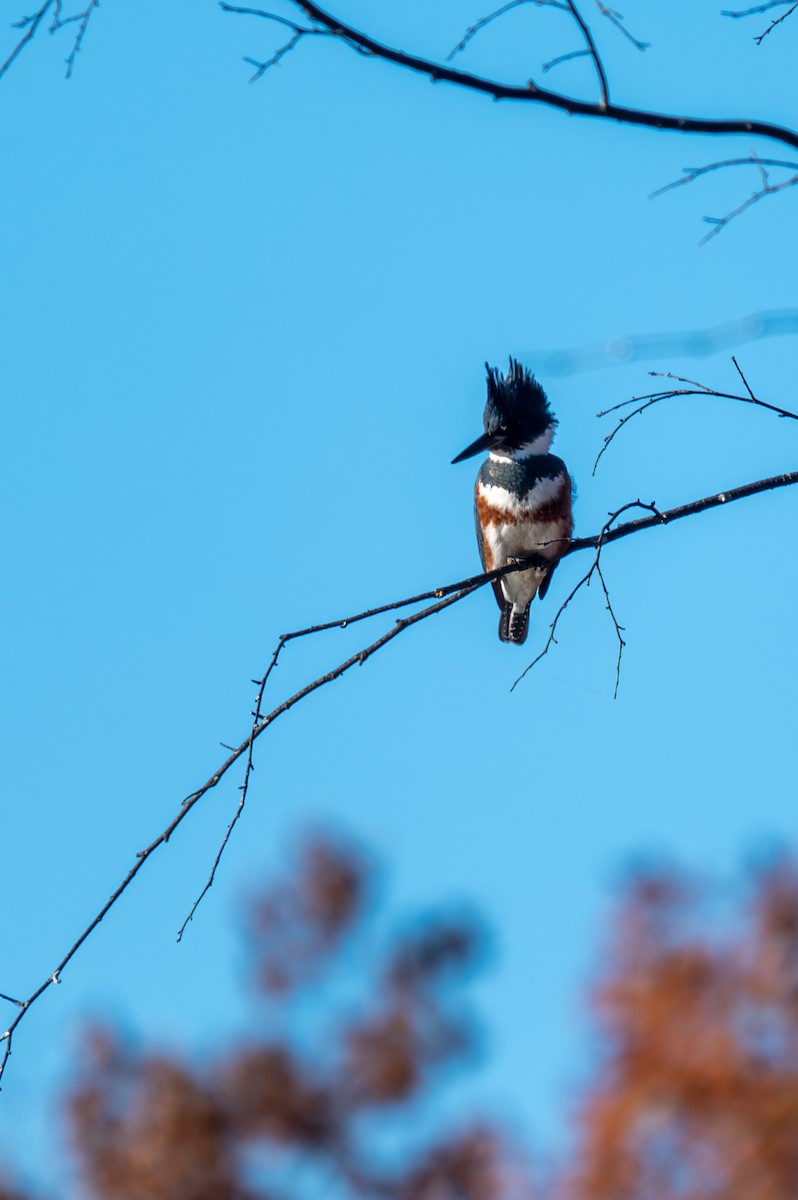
[
  {"x": 690, "y": 174},
  {"x": 31, "y": 25},
  {"x": 298, "y": 32},
  {"x": 83, "y": 23},
  {"x": 760, "y": 8},
  {"x": 693, "y": 389},
  {"x": 611, "y": 14},
  {"x": 616, "y": 19},
  {"x": 483, "y": 22},
  {"x": 257, "y": 716},
  {"x": 595, "y": 568}
]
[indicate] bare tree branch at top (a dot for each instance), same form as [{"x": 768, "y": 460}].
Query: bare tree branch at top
[
  {"x": 530, "y": 92},
  {"x": 320, "y": 20}
]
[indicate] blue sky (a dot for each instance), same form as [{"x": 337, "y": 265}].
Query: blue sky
[{"x": 244, "y": 330}]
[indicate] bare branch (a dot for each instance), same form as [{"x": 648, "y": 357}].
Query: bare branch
[
  {"x": 690, "y": 174},
  {"x": 445, "y": 597},
  {"x": 768, "y": 189},
  {"x": 694, "y": 389},
  {"x": 256, "y": 719},
  {"x": 760, "y": 39},
  {"x": 594, "y": 568},
  {"x": 618, "y": 628},
  {"x": 31, "y": 24},
  {"x": 615, "y": 17},
  {"x": 757, "y": 8},
  {"x": 298, "y": 32},
  {"x": 747, "y": 386},
  {"x": 617, "y": 20},
  {"x": 593, "y": 52},
  {"x": 263, "y": 67},
  {"x": 83, "y": 24},
  {"x": 258, "y": 12},
  {"x": 530, "y": 92},
  {"x": 479, "y": 25},
  {"x": 565, "y": 6},
  {"x": 561, "y": 58},
  {"x": 760, "y": 8}
]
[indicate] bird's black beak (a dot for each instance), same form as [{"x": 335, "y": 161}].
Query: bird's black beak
[{"x": 487, "y": 441}]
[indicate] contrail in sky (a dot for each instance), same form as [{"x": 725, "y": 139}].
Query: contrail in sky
[{"x": 691, "y": 343}]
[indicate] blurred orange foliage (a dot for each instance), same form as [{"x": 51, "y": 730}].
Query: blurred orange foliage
[
  {"x": 693, "y": 1094},
  {"x": 332, "y": 1105}
]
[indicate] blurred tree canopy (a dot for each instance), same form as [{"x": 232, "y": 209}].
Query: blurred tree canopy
[{"x": 692, "y": 1092}]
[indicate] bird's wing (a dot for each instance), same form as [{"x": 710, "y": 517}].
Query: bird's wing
[
  {"x": 495, "y": 584},
  {"x": 480, "y": 536}
]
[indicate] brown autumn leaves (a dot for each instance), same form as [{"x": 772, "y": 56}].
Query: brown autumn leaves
[{"x": 693, "y": 1094}]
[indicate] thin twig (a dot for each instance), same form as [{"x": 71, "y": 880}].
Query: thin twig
[
  {"x": 258, "y": 12},
  {"x": 615, "y": 17},
  {"x": 263, "y": 67},
  {"x": 561, "y": 58},
  {"x": 84, "y": 19},
  {"x": 757, "y": 8},
  {"x": 618, "y": 628},
  {"x": 695, "y": 389},
  {"x": 250, "y": 766},
  {"x": 690, "y": 174},
  {"x": 760, "y": 8},
  {"x": 747, "y": 386},
  {"x": 298, "y": 32},
  {"x": 761, "y": 37},
  {"x": 600, "y": 542},
  {"x": 30, "y": 24},
  {"x": 617, "y": 20},
  {"x": 592, "y": 50},
  {"x": 720, "y": 223},
  {"x": 479, "y": 25}
]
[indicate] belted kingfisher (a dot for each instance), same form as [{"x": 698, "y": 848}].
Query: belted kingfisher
[{"x": 523, "y": 493}]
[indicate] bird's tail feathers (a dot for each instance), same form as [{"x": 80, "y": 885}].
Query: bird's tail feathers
[{"x": 514, "y": 624}]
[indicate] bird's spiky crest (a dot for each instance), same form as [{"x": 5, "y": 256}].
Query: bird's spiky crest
[{"x": 515, "y": 399}]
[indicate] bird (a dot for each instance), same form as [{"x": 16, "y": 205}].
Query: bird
[{"x": 523, "y": 494}]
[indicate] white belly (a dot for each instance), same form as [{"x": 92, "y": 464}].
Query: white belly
[
  {"x": 521, "y": 533},
  {"x": 506, "y": 542}
]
